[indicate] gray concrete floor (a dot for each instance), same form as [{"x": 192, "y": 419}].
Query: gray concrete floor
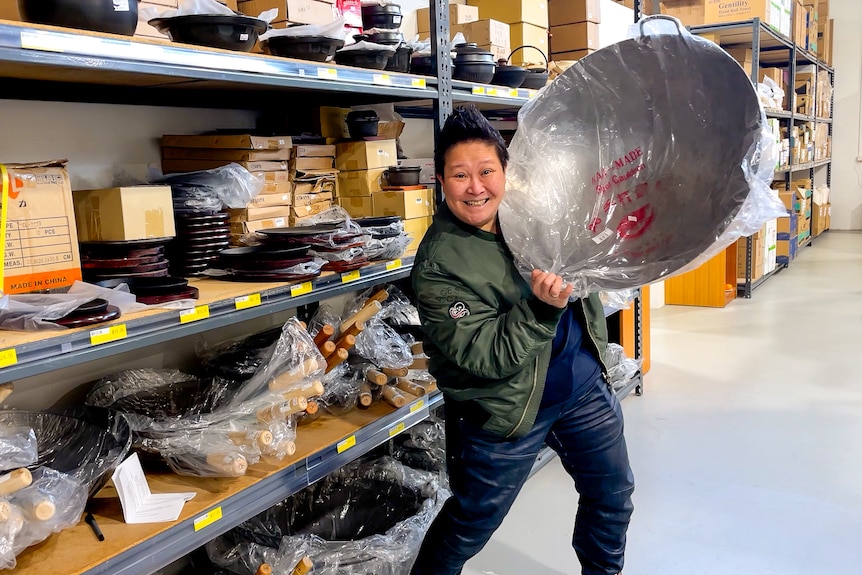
[{"x": 746, "y": 447}]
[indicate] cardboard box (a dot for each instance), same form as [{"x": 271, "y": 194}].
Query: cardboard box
[
  {"x": 357, "y": 206},
  {"x": 825, "y": 31},
  {"x": 314, "y": 182},
  {"x": 180, "y": 166},
  {"x": 269, "y": 200},
  {"x": 226, "y": 154},
  {"x": 308, "y": 199},
  {"x": 823, "y": 10},
  {"x": 800, "y": 25},
  {"x": 458, "y": 14},
  {"x": 486, "y": 32},
  {"x": 785, "y": 251},
  {"x": 689, "y": 12},
  {"x": 242, "y": 228},
  {"x": 126, "y": 213},
  {"x": 234, "y": 141},
  {"x": 416, "y": 228},
  {"x": 404, "y": 204},
  {"x": 573, "y": 37},
  {"x": 366, "y": 155},
  {"x": 513, "y": 11},
  {"x": 562, "y": 12},
  {"x": 499, "y": 52},
  {"x": 786, "y": 228},
  {"x": 770, "y": 239},
  {"x": 279, "y": 177},
  {"x": 306, "y": 164},
  {"x": 528, "y": 35},
  {"x": 716, "y": 11},
  {"x": 264, "y": 213},
  {"x": 757, "y": 254},
  {"x": 41, "y": 247},
  {"x": 426, "y": 168},
  {"x": 296, "y": 11},
  {"x": 314, "y": 151},
  {"x": 310, "y": 209},
  {"x": 360, "y": 182}
]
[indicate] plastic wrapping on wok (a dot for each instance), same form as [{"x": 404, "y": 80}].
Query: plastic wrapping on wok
[
  {"x": 619, "y": 300},
  {"x": 365, "y": 518},
  {"x": 386, "y": 248},
  {"x": 341, "y": 390},
  {"x": 620, "y": 368},
  {"x": 35, "y": 312},
  {"x": 52, "y": 502},
  {"x": 231, "y": 185},
  {"x": 423, "y": 446},
  {"x": 18, "y": 447},
  {"x": 641, "y": 159},
  {"x": 198, "y": 7},
  {"x": 383, "y": 346},
  {"x": 238, "y": 360}
]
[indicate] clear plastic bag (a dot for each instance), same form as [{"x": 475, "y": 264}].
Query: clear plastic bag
[
  {"x": 383, "y": 346},
  {"x": 324, "y": 315},
  {"x": 196, "y": 7},
  {"x": 387, "y": 248},
  {"x": 770, "y": 93},
  {"x": 347, "y": 255},
  {"x": 635, "y": 165},
  {"x": 18, "y": 447},
  {"x": 232, "y": 185},
  {"x": 334, "y": 30},
  {"x": 35, "y": 312},
  {"x": 617, "y": 300},
  {"x": 620, "y": 368},
  {"x": 398, "y": 310}
]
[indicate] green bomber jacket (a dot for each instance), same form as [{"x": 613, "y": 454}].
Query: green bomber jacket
[{"x": 488, "y": 338}]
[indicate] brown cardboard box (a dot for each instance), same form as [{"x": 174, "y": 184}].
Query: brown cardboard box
[
  {"x": 279, "y": 177},
  {"x": 562, "y": 12},
  {"x": 823, "y": 10},
  {"x": 499, "y": 52},
  {"x": 314, "y": 151},
  {"x": 799, "y": 26},
  {"x": 513, "y": 11},
  {"x": 297, "y": 11},
  {"x": 689, "y": 12},
  {"x": 312, "y": 163},
  {"x": 226, "y": 154},
  {"x": 265, "y": 213},
  {"x": 41, "y": 247},
  {"x": 824, "y": 41},
  {"x": 127, "y": 213},
  {"x": 571, "y": 56},
  {"x": 233, "y": 141},
  {"x": 486, "y": 32},
  {"x": 269, "y": 200},
  {"x": 309, "y": 210},
  {"x": 407, "y": 204},
  {"x": 9, "y": 10},
  {"x": 180, "y": 166},
  {"x": 240, "y": 228},
  {"x": 366, "y": 155},
  {"x": 416, "y": 228},
  {"x": 458, "y": 14},
  {"x": 357, "y": 206},
  {"x": 572, "y": 37},
  {"x": 528, "y": 35},
  {"x": 314, "y": 181},
  {"x": 757, "y": 253},
  {"x": 738, "y": 10},
  {"x": 308, "y": 199},
  {"x": 360, "y": 182}
]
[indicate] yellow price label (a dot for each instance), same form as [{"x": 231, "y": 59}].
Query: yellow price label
[
  {"x": 198, "y": 313},
  {"x": 208, "y": 519},
  {"x": 382, "y": 79},
  {"x": 108, "y": 334},
  {"x": 491, "y": 91},
  {"x": 479, "y": 90},
  {"x": 396, "y": 429},
  {"x": 247, "y": 301},
  {"x": 393, "y": 265},
  {"x": 343, "y": 446},
  {"x": 300, "y": 289},
  {"x": 350, "y": 276},
  {"x": 513, "y": 93},
  {"x": 418, "y": 82},
  {"x": 327, "y": 73},
  {"x": 8, "y": 357},
  {"x": 532, "y": 93},
  {"x": 417, "y": 406}
]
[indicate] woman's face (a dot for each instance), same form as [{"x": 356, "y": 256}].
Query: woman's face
[{"x": 474, "y": 182}]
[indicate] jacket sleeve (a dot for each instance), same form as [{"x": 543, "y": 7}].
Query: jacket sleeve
[{"x": 480, "y": 339}]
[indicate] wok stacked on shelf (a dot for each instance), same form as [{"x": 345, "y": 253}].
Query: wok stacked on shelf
[
  {"x": 124, "y": 259},
  {"x": 200, "y": 237}
]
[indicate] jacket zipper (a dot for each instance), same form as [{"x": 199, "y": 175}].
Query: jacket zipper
[
  {"x": 529, "y": 399},
  {"x": 595, "y": 344}
]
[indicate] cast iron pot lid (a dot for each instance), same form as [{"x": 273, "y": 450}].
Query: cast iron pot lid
[
  {"x": 301, "y": 231},
  {"x": 377, "y": 221},
  {"x": 628, "y": 166},
  {"x": 258, "y": 25}
]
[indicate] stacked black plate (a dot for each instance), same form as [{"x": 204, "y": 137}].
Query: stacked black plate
[
  {"x": 90, "y": 313},
  {"x": 266, "y": 263},
  {"x": 129, "y": 259},
  {"x": 320, "y": 238},
  {"x": 154, "y": 291},
  {"x": 200, "y": 238}
]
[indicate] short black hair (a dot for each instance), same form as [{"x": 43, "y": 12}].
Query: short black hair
[{"x": 464, "y": 125}]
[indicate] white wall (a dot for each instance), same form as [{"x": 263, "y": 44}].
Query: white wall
[{"x": 847, "y": 128}]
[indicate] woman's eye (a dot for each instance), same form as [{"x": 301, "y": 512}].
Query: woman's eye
[{"x": 486, "y": 172}]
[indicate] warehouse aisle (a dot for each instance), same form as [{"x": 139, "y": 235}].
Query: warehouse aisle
[{"x": 747, "y": 447}]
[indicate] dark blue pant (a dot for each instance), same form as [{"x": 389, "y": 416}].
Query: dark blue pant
[{"x": 486, "y": 473}]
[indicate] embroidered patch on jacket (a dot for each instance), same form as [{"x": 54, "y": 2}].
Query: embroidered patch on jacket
[{"x": 458, "y": 310}]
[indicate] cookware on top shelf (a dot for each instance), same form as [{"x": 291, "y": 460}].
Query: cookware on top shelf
[
  {"x": 216, "y": 31},
  {"x": 311, "y": 48},
  {"x": 399, "y": 176},
  {"x": 536, "y": 77},
  {"x": 107, "y": 16},
  {"x": 200, "y": 238},
  {"x": 137, "y": 258},
  {"x": 387, "y": 16},
  {"x": 473, "y": 64}
]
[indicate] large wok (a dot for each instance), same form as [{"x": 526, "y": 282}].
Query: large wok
[{"x": 635, "y": 161}]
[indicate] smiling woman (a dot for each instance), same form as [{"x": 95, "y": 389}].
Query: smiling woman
[{"x": 474, "y": 180}]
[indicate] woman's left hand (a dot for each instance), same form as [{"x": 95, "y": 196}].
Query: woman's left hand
[{"x": 549, "y": 288}]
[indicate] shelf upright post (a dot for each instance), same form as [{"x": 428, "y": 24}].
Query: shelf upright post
[
  {"x": 755, "y": 72},
  {"x": 639, "y": 342},
  {"x": 443, "y": 69}
]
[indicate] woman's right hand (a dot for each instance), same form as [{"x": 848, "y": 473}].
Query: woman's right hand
[{"x": 549, "y": 288}]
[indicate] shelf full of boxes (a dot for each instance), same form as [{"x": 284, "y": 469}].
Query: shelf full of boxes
[{"x": 786, "y": 47}]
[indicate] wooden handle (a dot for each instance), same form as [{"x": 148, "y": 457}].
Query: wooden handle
[
  {"x": 417, "y": 348},
  {"x": 355, "y": 329},
  {"x": 15, "y": 480},
  {"x": 395, "y": 371},
  {"x": 43, "y": 510},
  {"x": 324, "y": 334},
  {"x": 375, "y": 377},
  {"x": 365, "y": 397},
  {"x": 282, "y": 410},
  {"x": 362, "y": 315},
  {"x": 312, "y": 389},
  {"x": 292, "y": 377},
  {"x": 379, "y": 296},
  {"x": 327, "y": 348},
  {"x": 393, "y": 397},
  {"x": 347, "y": 341},
  {"x": 303, "y": 325},
  {"x": 303, "y": 567},
  {"x": 264, "y": 569},
  {"x": 230, "y": 463},
  {"x": 6, "y": 390},
  {"x": 261, "y": 438},
  {"x": 405, "y": 384},
  {"x": 336, "y": 358},
  {"x": 312, "y": 407},
  {"x": 429, "y": 384},
  {"x": 419, "y": 362},
  {"x": 12, "y": 518}
]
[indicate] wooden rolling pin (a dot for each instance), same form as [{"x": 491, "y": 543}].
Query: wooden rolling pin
[
  {"x": 282, "y": 410},
  {"x": 336, "y": 358},
  {"x": 355, "y": 329},
  {"x": 375, "y": 377},
  {"x": 230, "y": 463},
  {"x": 362, "y": 315},
  {"x": 417, "y": 348},
  {"x": 15, "y": 480},
  {"x": 419, "y": 362},
  {"x": 6, "y": 390},
  {"x": 264, "y": 569},
  {"x": 261, "y": 438},
  {"x": 312, "y": 389},
  {"x": 284, "y": 447},
  {"x": 393, "y": 397},
  {"x": 395, "y": 371},
  {"x": 312, "y": 408},
  {"x": 291, "y": 377},
  {"x": 346, "y": 341},
  {"x": 41, "y": 510},
  {"x": 365, "y": 398},
  {"x": 324, "y": 334},
  {"x": 303, "y": 567},
  {"x": 410, "y": 387},
  {"x": 327, "y": 348},
  {"x": 11, "y": 517},
  {"x": 429, "y": 384}
]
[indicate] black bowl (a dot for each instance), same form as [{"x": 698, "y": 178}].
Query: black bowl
[
  {"x": 371, "y": 59},
  {"x": 535, "y": 79},
  {"x": 400, "y": 61},
  {"x": 511, "y": 76},
  {"x": 390, "y": 38},
  {"x": 422, "y": 65},
  {"x": 228, "y": 32},
  {"x": 386, "y": 17},
  {"x": 311, "y": 48},
  {"x": 478, "y": 72},
  {"x": 98, "y": 15},
  {"x": 403, "y": 175},
  {"x": 361, "y": 124}
]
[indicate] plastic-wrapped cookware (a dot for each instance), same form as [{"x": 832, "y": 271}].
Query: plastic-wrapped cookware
[
  {"x": 312, "y": 48},
  {"x": 400, "y": 61},
  {"x": 228, "y": 32},
  {"x": 108, "y": 16},
  {"x": 387, "y": 16},
  {"x": 371, "y": 59}
]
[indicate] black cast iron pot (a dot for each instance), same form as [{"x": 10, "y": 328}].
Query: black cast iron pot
[
  {"x": 387, "y": 17},
  {"x": 111, "y": 16},
  {"x": 403, "y": 175}
]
